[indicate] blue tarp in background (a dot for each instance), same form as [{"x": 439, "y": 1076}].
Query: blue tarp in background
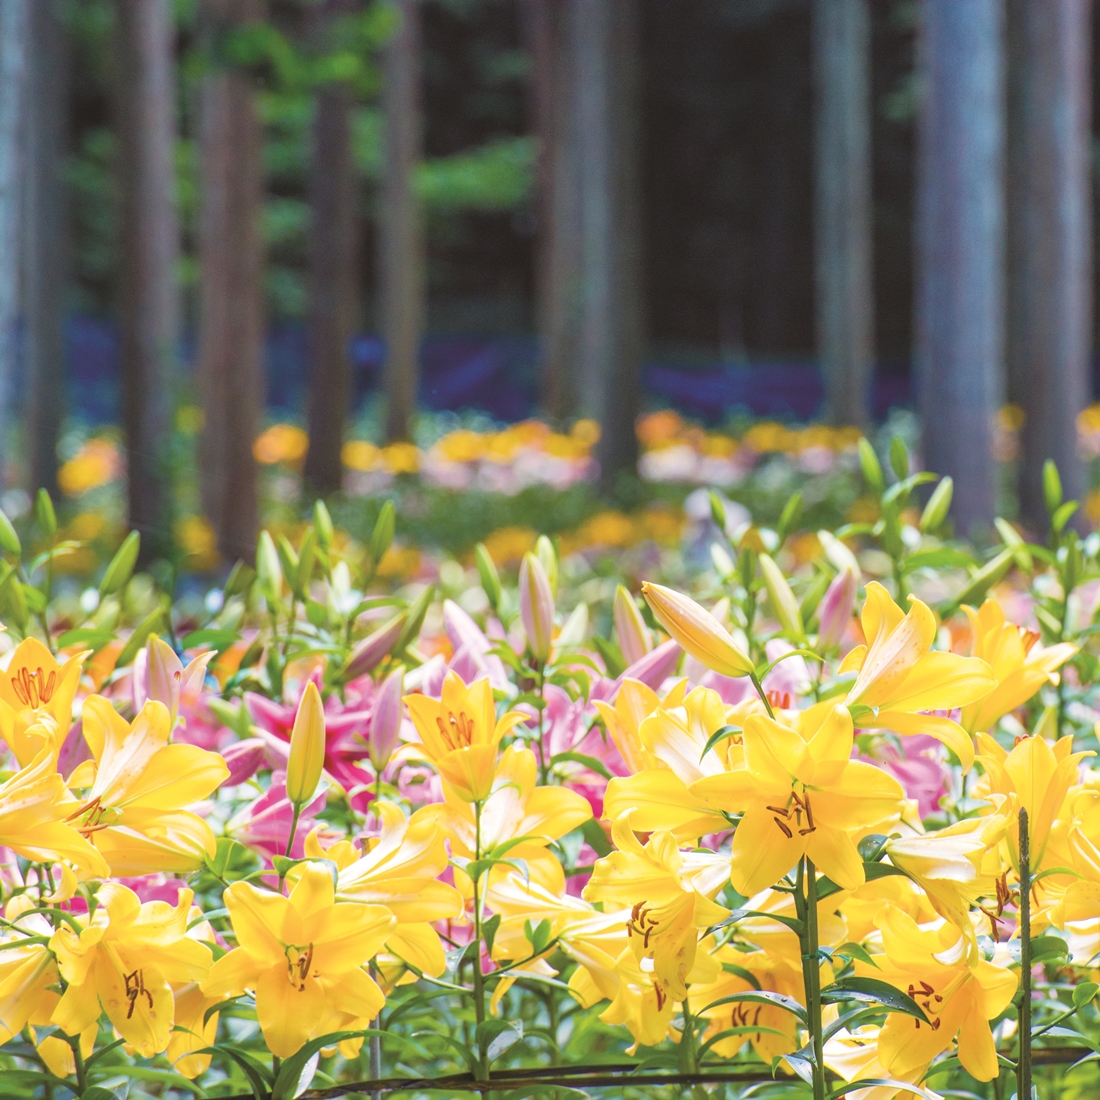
[{"x": 496, "y": 375}]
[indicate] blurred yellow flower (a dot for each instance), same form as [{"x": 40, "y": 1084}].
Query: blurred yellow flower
[
  {"x": 401, "y": 458},
  {"x": 280, "y": 443},
  {"x": 198, "y": 539},
  {"x": 97, "y": 463},
  {"x": 358, "y": 454},
  {"x": 508, "y": 544}
]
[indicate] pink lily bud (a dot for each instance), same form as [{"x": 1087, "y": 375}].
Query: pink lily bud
[
  {"x": 157, "y": 675},
  {"x": 244, "y": 759},
  {"x": 369, "y": 653},
  {"x": 385, "y": 722},
  {"x": 536, "y": 606},
  {"x": 630, "y": 629},
  {"x": 835, "y": 610}
]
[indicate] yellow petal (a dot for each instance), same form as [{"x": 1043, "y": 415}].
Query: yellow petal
[
  {"x": 762, "y": 852},
  {"x": 287, "y": 1012}
]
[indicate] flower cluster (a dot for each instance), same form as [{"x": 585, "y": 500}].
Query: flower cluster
[{"x": 830, "y": 818}]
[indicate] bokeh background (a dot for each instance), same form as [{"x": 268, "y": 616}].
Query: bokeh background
[{"x": 537, "y": 265}]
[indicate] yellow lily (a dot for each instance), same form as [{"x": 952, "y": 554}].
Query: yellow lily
[
  {"x": 931, "y": 963},
  {"x": 669, "y": 893},
  {"x": 802, "y": 795},
  {"x": 35, "y": 809},
  {"x": 751, "y": 970},
  {"x": 27, "y": 970},
  {"x": 633, "y": 704},
  {"x": 460, "y": 734},
  {"x": 125, "y": 958},
  {"x": 593, "y": 939},
  {"x": 697, "y": 631},
  {"x": 1020, "y": 665},
  {"x": 302, "y": 956},
  {"x": 1038, "y": 776},
  {"x": 399, "y": 869},
  {"x": 515, "y": 808},
  {"x": 854, "y": 1056},
  {"x": 138, "y": 785},
  {"x": 664, "y": 796},
  {"x": 957, "y": 867},
  {"x": 900, "y": 675},
  {"x": 36, "y": 700},
  {"x": 193, "y": 1030}
]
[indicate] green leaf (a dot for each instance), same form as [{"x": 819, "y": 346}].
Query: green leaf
[
  {"x": 89, "y": 636},
  {"x": 779, "y": 1000},
  {"x": 218, "y": 640},
  {"x": 1062, "y": 515},
  {"x": 1052, "y": 486},
  {"x": 872, "y": 469},
  {"x": 873, "y": 991},
  {"x": 44, "y": 514},
  {"x": 9, "y": 540},
  {"x": 899, "y": 457},
  {"x": 382, "y": 536},
  {"x": 1084, "y": 993},
  {"x": 259, "y": 1076},
  {"x": 592, "y": 831},
  {"x": 98, "y": 1092},
  {"x": 719, "y": 734},
  {"x": 853, "y": 952},
  {"x": 590, "y": 762},
  {"x": 538, "y": 935},
  {"x": 139, "y": 637},
  {"x": 290, "y": 1072},
  {"x": 122, "y": 565},
  {"x": 489, "y": 931},
  {"x": 870, "y": 1082},
  {"x": 939, "y": 558}
]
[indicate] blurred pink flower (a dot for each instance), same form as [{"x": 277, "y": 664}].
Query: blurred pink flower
[
  {"x": 264, "y": 825},
  {"x": 918, "y": 766},
  {"x": 347, "y": 728},
  {"x": 244, "y": 758}
]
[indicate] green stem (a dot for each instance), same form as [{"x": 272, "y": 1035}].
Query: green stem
[
  {"x": 479, "y": 977},
  {"x": 1023, "y": 1063},
  {"x": 760, "y": 691},
  {"x": 293, "y": 833},
  {"x": 543, "y": 770},
  {"x": 78, "y": 1059},
  {"x": 806, "y": 904}
]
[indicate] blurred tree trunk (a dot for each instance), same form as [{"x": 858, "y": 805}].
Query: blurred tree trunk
[
  {"x": 608, "y": 107},
  {"x": 149, "y": 228},
  {"x": 230, "y": 351},
  {"x": 1050, "y": 238},
  {"x": 333, "y": 288},
  {"x": 843, "y": 207},
  {"x": 13, "y": 63},
  {"x": 402, "y": 262},
  {"x": 45, "y": 240},
  {"x": 558, "y": 246},
  {"x": 960, "y": 250}
]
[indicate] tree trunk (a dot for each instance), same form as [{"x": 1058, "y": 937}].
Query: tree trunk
[
  {"x": 402, "y": 264},
  {"x": 960, "y": 250},
  {"x": 149, "y": 312},
  {"x": 608, "y": 107},
  {"x": 1050, "y": 259},
  {"x": 45, "y": 242},
  {"x": 334, "y": 288},
  {"x": 558, "y": 245},
  {"x": 13, "y": 61},
  {"x": 843, "y": 207},
  {"x": 231, "y": 292}
]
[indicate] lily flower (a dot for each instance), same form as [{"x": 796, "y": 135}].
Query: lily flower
[
  {"x": 460, "y": 734},
  {"x": 674, "y": 739},
  {"x": 517, "y": 812},
  {"x": 138, "y": 785},
  {"x": 899, "y": 675},
  {"x": 802, "y": 796},
  {"x": 931, "y": 963},
  {"x": 957, "y": 867},
  {"x": 35, "y": 811},
  {"x": 854, "y": 1056},
  {"x": 159, "y": 674},
  {"x": 27, "y": 969},
  {"x": 36, "y": 699},
  {"x": 669, "y": 893},
  {"x": 126, "y": 958},
  {"x": 1021, "y": 666},
  {"x": 635, "y": 702},
  {"x": 399, "y": 869},
  {"x": 302, "y": 956},
  {"x": 1039, "y": 776}
]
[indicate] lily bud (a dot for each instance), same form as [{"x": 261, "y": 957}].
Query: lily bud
[
  {"x": 307, "y": 747},
  {"x": 368, "y": 653},
  {"x": 163, "y": 676},
  {"x": 244, "y": 759},
  {"x": 782, "y": 598},
  {"x": 699, "y": 633},
  {"x": 536, "y": 606},
  {"x": 544, "y": 551},
  {"x": 835, "y": 609},
  {"x": 630, "y": 628},
  {"x": 385, "y": 722}
]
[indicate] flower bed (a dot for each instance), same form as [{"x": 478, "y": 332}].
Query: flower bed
[{"x": 758, "y": 805}]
